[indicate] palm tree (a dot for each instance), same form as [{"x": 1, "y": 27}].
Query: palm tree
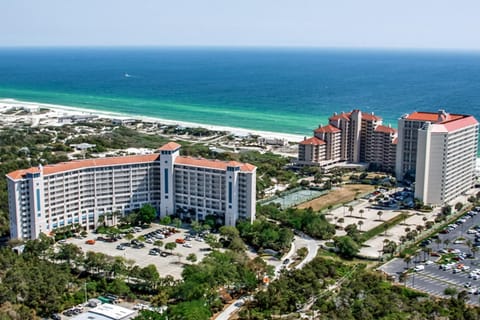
[
  {"x": 340, "y": 221},
  {"x": 469, "y": 245},
  {"x": 379, "y": 214},
  {"x": 385, "y": 242},
  {"x": 474, "y": 250},
  {"x": 446, "y": 242},
  {"x": 407, "y": 260},
  {"x": 361, "y": 213},
  {"x": 101, "y": 220},
  {"x": 438, "y": 242},
  {"x": 350, "y": 209},
  {"x": 360, "y": 223}
]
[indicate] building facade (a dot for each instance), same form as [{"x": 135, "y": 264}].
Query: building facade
[
  {"x": 42, "y": 199},
  {"x": 350, "y": 137},
  {"x": 445, "y": 156}
]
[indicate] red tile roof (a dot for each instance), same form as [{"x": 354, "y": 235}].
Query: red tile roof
[
  {"x": 80, "y": 164},
  {"x": 171, "y": 146},
  {"x": 327, "y": 129},
  {"x": 343, "y": 115},
  {"x": 370, "y": 117},
  {"x": 454, "y": 125},
  {"x": 433, "y": 117},
  {"x": 213, "y": 164},
  {"x": 385, "y": 129},
  {"x": 313, "y": 141},
  {"x": 113, "y": 161}
]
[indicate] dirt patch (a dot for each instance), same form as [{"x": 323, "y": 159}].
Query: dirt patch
[{"x": 344, "y": 194}]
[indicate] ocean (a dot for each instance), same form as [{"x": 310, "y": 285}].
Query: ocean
[{"x": 281, "y": 90}]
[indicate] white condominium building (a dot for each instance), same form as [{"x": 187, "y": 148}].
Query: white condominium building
[
  {"x": 446, "y": 151},
  {"x": 42, "y": 199}
]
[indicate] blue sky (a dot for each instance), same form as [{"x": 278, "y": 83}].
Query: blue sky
[{"x": 422, "y": 24}]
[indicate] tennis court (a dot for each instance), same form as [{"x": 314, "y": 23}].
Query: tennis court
[{"x": 295, "y": 198}]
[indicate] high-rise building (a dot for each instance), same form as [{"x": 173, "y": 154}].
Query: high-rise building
[
  {"x": 408, "y": 128},
  {"x": 438, "y": 151},
  {"x": 42, "y": 199},
  {"x": 353, "y": 137}
]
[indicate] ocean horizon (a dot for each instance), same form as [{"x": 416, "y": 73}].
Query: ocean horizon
[{"x": 286, "y": 90}]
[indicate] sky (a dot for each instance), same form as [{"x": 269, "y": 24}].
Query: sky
[{"x": 423, "y": 24}]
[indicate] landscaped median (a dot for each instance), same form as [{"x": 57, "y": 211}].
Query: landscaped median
[{"x": 382, "y": 228}]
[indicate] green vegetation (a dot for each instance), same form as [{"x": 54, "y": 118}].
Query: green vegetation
[
  {"x": 262, "y": 234},
  {"x": 341, "y": 291},
  {"x": 346, "y": 246},
  {"x": 306, "y": 220},
  {"x": 381, "y": 228}
]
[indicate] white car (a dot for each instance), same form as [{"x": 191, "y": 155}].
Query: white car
[
  {"x": 419, "y": 268},
  {"x": 187, "y": 245},
  {"x": 472, "y": 290},
  {"x": 428, "y": 262},
  {"x": 471, "y": 231}
]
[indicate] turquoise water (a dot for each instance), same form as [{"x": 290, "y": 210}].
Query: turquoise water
[{"x": 282, "y": 90}]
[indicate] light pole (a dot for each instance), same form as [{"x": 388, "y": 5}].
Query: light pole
[{"x": 85, "y": 290}]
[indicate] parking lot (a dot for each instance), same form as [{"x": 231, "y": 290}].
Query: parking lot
[
  {"x": 452, "y": 264},
  {"x": 171, "y": 264}
]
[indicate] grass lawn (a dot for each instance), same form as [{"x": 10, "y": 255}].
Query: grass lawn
[{"x": 344, "y": 194}]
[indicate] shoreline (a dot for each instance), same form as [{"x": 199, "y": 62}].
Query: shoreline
[{"x": 71, "y": 110}]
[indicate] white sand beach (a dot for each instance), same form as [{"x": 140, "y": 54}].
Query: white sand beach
[{"x": 69, "y": 110}]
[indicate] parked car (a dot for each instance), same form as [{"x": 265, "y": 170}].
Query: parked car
[
  {"x": 180, "y": 240},
  {"x": 90, "y": 241},
  {"x": 419, "y": 268}
]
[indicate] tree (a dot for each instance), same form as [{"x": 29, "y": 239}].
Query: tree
[
  {"x": 379, "y": 214},
  {"x": 196, "y": 226},
  {"x": 192, "y": 257},
  {"x": 407, "y": 260},
  {"x": 447, "y": 210},
  {"x": 450, "y": 291},
  {"x": 350, "y": 209},
  {"x": 340, "y": 221},
  {"x": 193, "y": 310},
  {"x": 166, "y": 220},
  {"x": 474, "y": 250},
  {"x": 237, "y": 244},
  {"x": 177, "y": 223},
  {"x": 158, "y": 243},
  {"x": 170, "y": 246},
  {"x": 69, "y": 253},
  {"x": 146, "y": 214},
  {"x": 229, "y": 232},
  {"x": 438, "y": 241},
  {"x": 361, "y": 211},
  {"x": 346, "y": 247},
  {"x": 446, "y": 242},
  {"x": 458, "y": 206},
  {"x": 360, "y": 224}
]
